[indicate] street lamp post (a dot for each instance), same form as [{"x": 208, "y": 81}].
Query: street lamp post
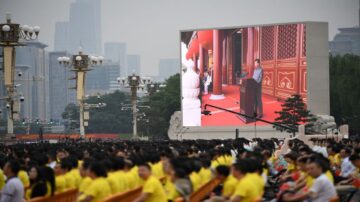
[
  {"x": 80, "y": 64},
  {"x": 134, "y": 82},
  {"x": 12, "y": 35}
]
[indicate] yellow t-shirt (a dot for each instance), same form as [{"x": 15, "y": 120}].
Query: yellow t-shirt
[
  {"x": 131, "y": 180},
  {"x": 60, "y": 184},
  {"x": 153, "y": 187},
  {"x": 2, "y": 179},
  {"x": 205, "y": 175},
  {"x": 77, "y": 177},
  {"x": 69, "y": 181},
  {"x": 247, "y": 189},
  {"x": 85, "y": 183},
  {"x": 157, "y": 170},
  {"x": 138, "y": 181},
  {"x": 195, "y": 181},
  {"x": 258, "y": 180},
  {"x": 170, "y": 189},
  {"x": 99, "y": 189},
  {"x": 114, "y": 183},
  {"x": 229, "y": 186},
  {"x": 121, "y": 177},
  {"x": 24, "y": 178}
]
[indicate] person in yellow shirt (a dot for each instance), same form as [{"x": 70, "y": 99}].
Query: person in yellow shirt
[
  {"x": 85, "y": 179},
  {"x": 119, "y": 173},
  {"x": 205, "y": 172},
  {"x": 99, "y": 188},
  {"x": 69, "y": 179},
  {"x": 2, "y": 179},
  {"x": 74, "y": 171},
  {"x": 152, "y": 190},
  {"x": 59, "y": 179},
  {"x": 247, "y": 190},
  {"x": 228, "y": 181},
  {"x": 24, "y": 178}
]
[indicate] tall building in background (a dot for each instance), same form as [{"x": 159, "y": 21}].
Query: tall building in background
[
  {"x": 60, "y": 95},
  {"x": 83, "y": 28},
  {"x": 168, "y": 67},
  {"x": 32, "y": 60},
  {"x": 347, "y": 41},
  {"x": 101, "y": 79},
  {"x": 116, "y": 52},
  {"x": 133, "y": 64}
]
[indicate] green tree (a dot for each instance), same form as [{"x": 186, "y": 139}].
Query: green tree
[
  {"x": 110, "y": 119},
  {"x": 293, "y": 114},
  {"x": 162, "y": 105},
  {"x": 71, "y": 117},
  {"x": 345, "y": 90}
]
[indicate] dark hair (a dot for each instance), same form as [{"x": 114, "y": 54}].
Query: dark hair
[
  {"x": 49, "y": 176},
  {"x": 223, "y": 170},
  {"x": 118, "y": 163},
  {"x": 354, "y": 157},
  {"x": 242, "y": 165},
  {"x": 145, "y": 165},
  {"x": 14, "y": 166},
  {"x": 98, "y": 168},
  {"x": 66, "y": 164},
  {"x": 257, "y": 60}
]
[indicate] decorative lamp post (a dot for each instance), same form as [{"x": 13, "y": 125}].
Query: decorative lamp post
[
  {"x": 12, "y": 35},
  {"x": 80, "y": 63},
  {"x": 134, "y": 82}
]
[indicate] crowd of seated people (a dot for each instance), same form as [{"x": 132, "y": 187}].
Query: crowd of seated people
[{"x": 167, "y": 170}]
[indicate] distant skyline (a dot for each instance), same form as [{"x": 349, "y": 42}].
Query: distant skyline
[{"x": 151, "y": 28}]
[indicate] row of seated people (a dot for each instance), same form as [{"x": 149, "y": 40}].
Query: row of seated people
[{"x": 105, "y": 169}]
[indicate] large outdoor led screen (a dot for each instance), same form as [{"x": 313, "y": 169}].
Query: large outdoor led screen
[{"x": 250, "y": 70}]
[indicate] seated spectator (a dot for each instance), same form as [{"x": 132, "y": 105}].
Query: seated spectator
[
  {"x": 152, "y": 190},
  {"x": 228, "y": 181},
  {"x": 247, "y": 189},
  {"x": 99, "y": 188},
  {"x": 14, "y": 189},
  {"x": 322, "y": 188}
]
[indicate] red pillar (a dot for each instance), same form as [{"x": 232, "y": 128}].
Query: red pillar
[
  {"x": 217, "y": 58},
  {"x": 250, "y": 53},
  {"x": 195, "y": 63},
  {"x": 201, "y": 60}
]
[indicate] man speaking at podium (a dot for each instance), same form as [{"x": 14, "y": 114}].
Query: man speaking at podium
[{"x": 257, "y": 76}]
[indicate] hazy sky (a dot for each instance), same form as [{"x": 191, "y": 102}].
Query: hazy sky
[{"x": 151, "y": 27}]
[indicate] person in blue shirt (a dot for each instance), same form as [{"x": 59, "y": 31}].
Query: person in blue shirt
[{"x": 258, "y": 76}]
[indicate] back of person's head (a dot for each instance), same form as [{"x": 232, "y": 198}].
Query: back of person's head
[
  {"x": 242, "y": 165},
  {"x": 118, "y": 163},
  {"x": 14, "y": 166},
  {"x": 66, "y": 164},
  {"x": 223, "y": 170},
  {"x": 49, "y": 176},
  {"x": 98, "y": 169}
]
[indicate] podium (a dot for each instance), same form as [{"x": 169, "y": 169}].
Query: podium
[{"x": 247, "y": 99}]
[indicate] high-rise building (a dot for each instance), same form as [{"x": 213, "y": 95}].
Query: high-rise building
[
  {"x": 59, "y": 83},
  {"x": 33, "y": 60},
  {"x": 101, "y": 78},
  {"x": 116, "y": 52},
  {"x": 347, "y": 41},
  {"x": 168, "y": 67},
  {"x": 83, "y": 28},
  {"x": 133, "y": 64}
]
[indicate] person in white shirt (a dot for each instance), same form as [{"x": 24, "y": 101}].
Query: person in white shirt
[
  {"x": 323, "y": 189},
  {"x": 347, "y": 168},
  {"x": 13, "y": 190}
]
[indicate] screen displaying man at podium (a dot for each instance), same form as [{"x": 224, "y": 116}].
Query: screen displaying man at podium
[
  {"x": 258, "y": 76},
  {"x": 253, "y": 71}
]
